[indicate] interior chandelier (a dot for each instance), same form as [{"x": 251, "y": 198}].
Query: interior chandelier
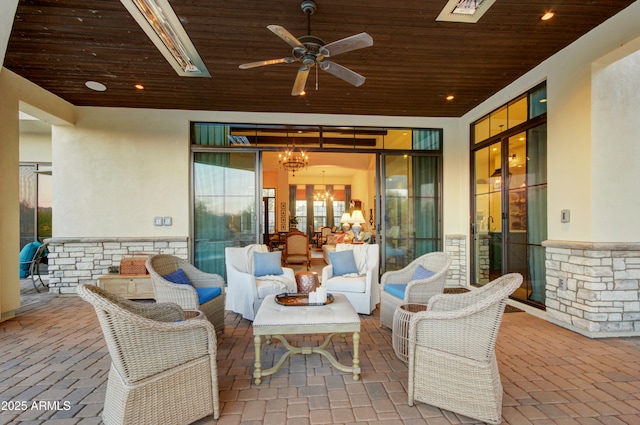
[
  {"x": 323, "y": 196},
  {"x": 293, "y": 161}
]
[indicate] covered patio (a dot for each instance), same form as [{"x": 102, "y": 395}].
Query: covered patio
[{"x": 54, "y": 351}]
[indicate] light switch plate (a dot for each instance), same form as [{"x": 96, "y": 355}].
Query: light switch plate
[
  {"x": 167, "y": 221},
  {"x": 157, "y": 221},
  {"x": 565, "y": 216}
]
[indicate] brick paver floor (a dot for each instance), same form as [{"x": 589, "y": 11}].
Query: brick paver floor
[{"x": 54, "y": 364}]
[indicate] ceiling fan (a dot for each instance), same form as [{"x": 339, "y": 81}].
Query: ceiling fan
[{"x": 311, "y": 51}]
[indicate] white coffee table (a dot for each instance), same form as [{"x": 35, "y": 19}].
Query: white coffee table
[{"x": 274, "y": 320}]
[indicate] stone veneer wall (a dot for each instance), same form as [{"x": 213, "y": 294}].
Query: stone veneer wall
[
  {"x": 73, "y": 261},
  {"x": 594, "y": 288},
  {"x": 456, "y": 247},
  {"x": 78, "y": 260}
]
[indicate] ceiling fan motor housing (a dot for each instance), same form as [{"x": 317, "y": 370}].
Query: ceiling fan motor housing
[{"x": 308, "y": 6}]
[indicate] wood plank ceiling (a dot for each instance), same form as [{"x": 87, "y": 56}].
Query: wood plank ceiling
[{"x": 414, "y": 64}]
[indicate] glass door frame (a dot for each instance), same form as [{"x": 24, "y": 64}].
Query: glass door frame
[{"x": 503, "y": 139}]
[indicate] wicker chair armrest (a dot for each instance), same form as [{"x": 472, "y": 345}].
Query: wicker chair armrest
[
  {"x": 161, "y": 312},
  {"x": 166, "y": 312},
  {"x": 183, "y": 295},
  {"x": 202, "y": 279},
  {"x": 397, "y": 276},
  {"x": 166, "y": 345},
  {"x": 470, "y": 333},
  {"x": 421, "y": 290},
  {"x": 500, "y": 288}
]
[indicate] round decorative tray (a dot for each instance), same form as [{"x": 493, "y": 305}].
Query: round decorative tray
[{"x": 299, "y": 300}]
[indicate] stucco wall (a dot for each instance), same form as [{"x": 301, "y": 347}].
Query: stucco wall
[
  {"x": 118, "y": 168},
  {"x": 616, "y": 149},
  {"x": 577, "y": 136}
]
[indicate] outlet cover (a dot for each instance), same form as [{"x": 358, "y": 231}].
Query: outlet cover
[
  {"x": 157, "y": 221},
  {"x": 167, "y": 221}
]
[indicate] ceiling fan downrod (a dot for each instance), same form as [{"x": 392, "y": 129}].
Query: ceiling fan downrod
[{"x": 308, "y": 7}]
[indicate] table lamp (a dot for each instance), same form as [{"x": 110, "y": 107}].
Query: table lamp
[
  {"x": 357, "y": 219},
  {"x": 344, "y": 221}
]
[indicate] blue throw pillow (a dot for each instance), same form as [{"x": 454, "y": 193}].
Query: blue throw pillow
[
  {"x": 267, "y": 263},
  {"x": 207, "y": 294},
  {"x": 421, "y": 273},
  {"x": 396, "y": 289},
  {"x": 178, "y": 276},
  {"x": 342, "y": 262}
]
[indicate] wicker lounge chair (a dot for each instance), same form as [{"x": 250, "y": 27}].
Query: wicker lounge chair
[
  {"x": 418, "y": 291},
  {"x": 187, "y": 296},
  {"x": 452, "y": 360},
  {"x": 163, "y": 367}
]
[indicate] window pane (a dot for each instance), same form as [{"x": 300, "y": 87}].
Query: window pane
[
  {"x": 518, "y": 112},
  {"x": 481, "y": 130},
  {"x": 498, "y": 120},
  {"x": 538, "y": 101},
  {"x": 428, "y": 139},
  {"x": 28, "y": 203},
  {"x": 398, "y": 139},
  {"x": 224, "y": 196}
]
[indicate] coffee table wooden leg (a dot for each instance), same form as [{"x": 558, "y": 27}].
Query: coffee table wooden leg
[
  {"x": 356, "y": 357},
  {"x": 257, "y": 366}
]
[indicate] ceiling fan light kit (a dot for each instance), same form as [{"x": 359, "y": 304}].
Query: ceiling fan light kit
[{"x": 311, "y": 51}]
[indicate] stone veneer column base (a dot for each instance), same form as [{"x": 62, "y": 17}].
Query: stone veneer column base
[
  {"x": 78, "y": 260},
  {"x": 594, "y": 288},
  {"x": 456, "y": 247}
]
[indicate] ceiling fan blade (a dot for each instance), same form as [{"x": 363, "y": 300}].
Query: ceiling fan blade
[
  {"x": 348, "y": 44},
  {"x": 301, "y": 81},
  {"x": 267, "y": 62},
  {"x": 343, "y": 73},
  {"x": 285, "y": 35}
]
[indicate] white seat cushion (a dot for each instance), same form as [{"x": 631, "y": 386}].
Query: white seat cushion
[{"x": 346, "y": 284}]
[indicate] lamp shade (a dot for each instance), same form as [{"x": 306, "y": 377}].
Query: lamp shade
[
  {"x": 346, "y": 218},
  {"x": 357, "y": 217}
]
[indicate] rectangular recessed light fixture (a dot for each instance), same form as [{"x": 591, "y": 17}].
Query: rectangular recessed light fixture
[
  {"x": 158, "y": 20},
  {"x": 469, "y": 11}
]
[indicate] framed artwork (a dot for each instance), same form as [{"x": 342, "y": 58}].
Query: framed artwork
[{"x": 283, "y": 216}]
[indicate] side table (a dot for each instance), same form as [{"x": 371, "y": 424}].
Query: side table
[
  {"x": 307, "y": 282},
  {"x": 133, "y": 287},
  {"x": 401, "y": 318}
]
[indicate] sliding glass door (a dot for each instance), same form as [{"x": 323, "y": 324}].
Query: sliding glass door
[
  {"x": 411, "y": 221},
  {"x": 224, "y": 191}
]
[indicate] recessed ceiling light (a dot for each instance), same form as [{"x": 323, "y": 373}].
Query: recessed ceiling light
[
  {"x": 450, "y": 97},
  {"x": 139, "y": 86},
  {"x": 94, "y": 85},
  {"x": 547, "y": 16}
]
